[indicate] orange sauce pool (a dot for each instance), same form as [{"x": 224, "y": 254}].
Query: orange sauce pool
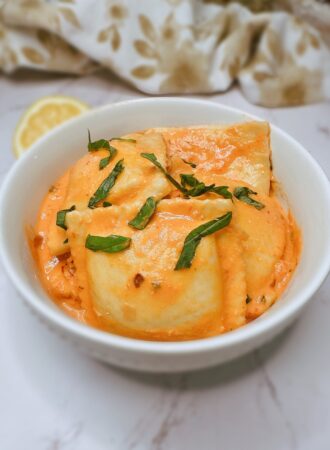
[{"x": 57, "y": 272}]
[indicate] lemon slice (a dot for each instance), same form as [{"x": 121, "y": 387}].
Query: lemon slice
[{"x": 42, "y": 116}]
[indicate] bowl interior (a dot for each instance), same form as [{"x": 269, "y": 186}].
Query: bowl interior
[{"x": 304, "y": 182}]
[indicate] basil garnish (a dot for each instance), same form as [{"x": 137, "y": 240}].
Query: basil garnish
[
  {"x": 106, "y": 204},
  {"x": 104, "y": 162},
  {"x": 113, "y": 151},
  {"x": 108, "y": 244},
  {"x": 199, "y": 188},
  {"x": 142, "y": 218},
  {"x": 153, "y": 159},
  {"x": 99, "y": 145},
  {"x": 188, "y": 179},
  {"x": 194, "y": 237},
  {"x": 222, "y": 190},
  {"x": 248, "y": 299},
  {"x": 242, "y": 193},
  {"x": 193, "y": 165},
  {"x": 104, "y": 188},
  {"x": 61, "y": 215}
]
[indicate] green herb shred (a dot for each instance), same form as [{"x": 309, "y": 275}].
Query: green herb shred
[
  {"x": 97, "y": 145},
  {"x": 195, "y": 236},
  {"x": 199, "y": 188},
  {"x": 61, "y": 215},
  {"x": 106, "y": 185},
  {"x": 143, "y": 217},
  {"x": 242, "y": 193},
  {"x": 223, "y": 191},
  {"x": 153, "y": 159},
  {"x": 108, "y": 244},
  {"x": 102, "y": 144}
]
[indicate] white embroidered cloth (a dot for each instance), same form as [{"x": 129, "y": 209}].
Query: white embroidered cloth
[{"x": 170, "y": 46}]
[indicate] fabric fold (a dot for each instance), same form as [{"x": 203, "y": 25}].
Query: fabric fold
[{"x": 170, "y": 46}]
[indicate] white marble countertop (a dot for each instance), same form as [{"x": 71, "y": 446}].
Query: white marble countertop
[{"x": 53, "y": 398}]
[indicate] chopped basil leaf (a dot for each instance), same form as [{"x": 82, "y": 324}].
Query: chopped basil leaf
[
  {"x": 242, "y": 193},
  {"x": 108, "y": 244},
  {"x": 193, "y": 165},
  {"x": 199, "y": 188},
  {"x": 194, "y": 237},
  {"x": 66, "y": 241},
  {"x": 153, "y": 159},
  {"x": 104, "y": 143},
  {"x": 104, "y": 188},
  {"x": 248, "y": 299},
  {"x": 223, "y": 191},
  {"x": 123, "y": 140},
  {"x": 189, "y": 179},
  {"x": 106, "y": 204},
  {"x": 99, "y": 145},
  {"x": 60, "y": 217},
  {"x": 142, "y": 218},
  {"x": 104, "y": 162}
]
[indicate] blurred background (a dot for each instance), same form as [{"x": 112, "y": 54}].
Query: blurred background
[{"x": 58, "y": 59}]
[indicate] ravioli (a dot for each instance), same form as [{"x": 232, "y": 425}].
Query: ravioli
[
  {"x": 234, "y": 278},
  {"x": 166, "y": 304},
  {"x": 222, "y": 155},
  {"x": 235, "y": 274},
  {"x": 138, "y": 180},
  {"x": 263, "y": 237}
]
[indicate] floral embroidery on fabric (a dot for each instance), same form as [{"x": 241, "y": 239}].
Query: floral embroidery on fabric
[{"x": 172, "y": 46}]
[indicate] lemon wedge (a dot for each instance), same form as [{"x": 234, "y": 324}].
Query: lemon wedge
[{"x": 42, "y": 116}]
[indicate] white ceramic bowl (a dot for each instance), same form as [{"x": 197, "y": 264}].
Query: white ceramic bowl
[{"x": 303, "y": 180}]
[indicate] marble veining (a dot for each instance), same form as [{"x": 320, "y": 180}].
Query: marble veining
[{"x": 274, "y": 396}]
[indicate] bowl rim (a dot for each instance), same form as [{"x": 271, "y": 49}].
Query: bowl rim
[{"x": 245, "y": 333}]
